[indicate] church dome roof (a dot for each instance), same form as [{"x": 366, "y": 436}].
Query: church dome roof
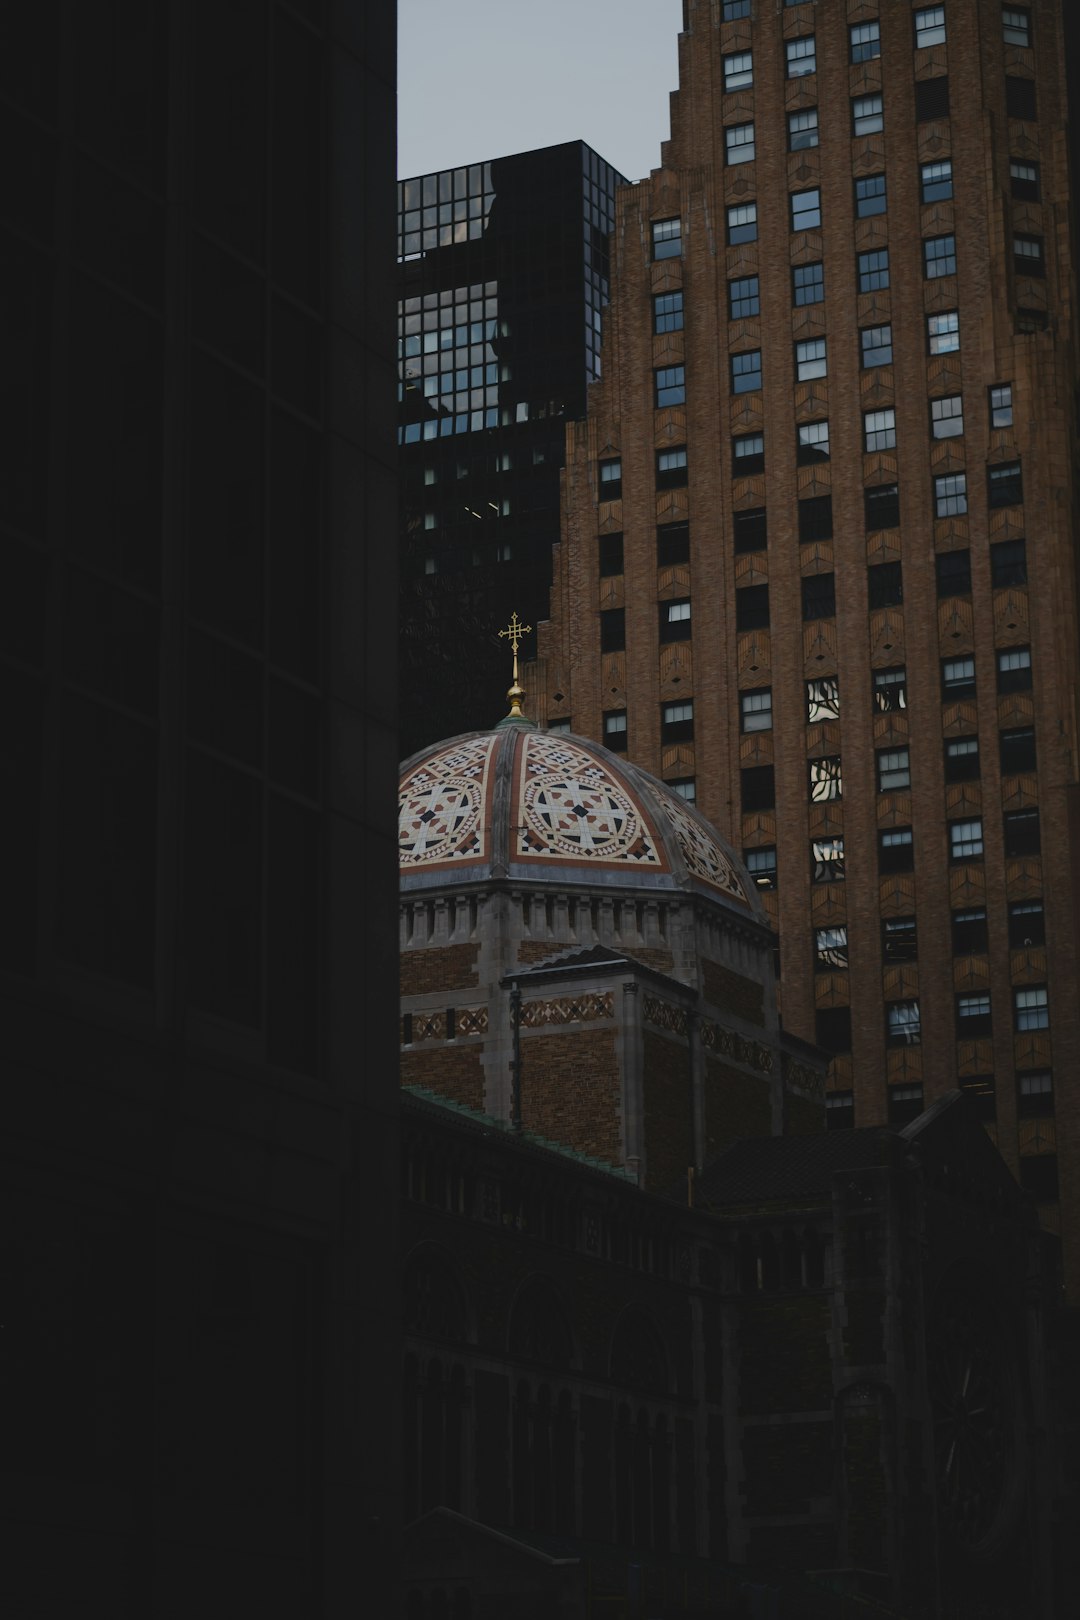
[{"x": 521, "y": 804}]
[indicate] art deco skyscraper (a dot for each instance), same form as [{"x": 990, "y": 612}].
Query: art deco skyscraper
[{"x": 818, "y": 560}]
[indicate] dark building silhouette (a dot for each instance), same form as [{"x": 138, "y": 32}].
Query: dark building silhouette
[
  {"x": 199, "y": 1176},
  {"x": 503, "y": 274}
]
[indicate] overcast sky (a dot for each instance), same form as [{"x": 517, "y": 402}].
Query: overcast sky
[{"x": 480, "y": 79}]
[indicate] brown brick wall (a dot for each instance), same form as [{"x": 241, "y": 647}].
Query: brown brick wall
[
  {"x": 653, "y": 956},
  {"x": 452, "y": 1071},
  {"x": 734, "y": 992},
  {"x": 668, "y": 1140},
  {"x": 736, "y": 1104},
  {"x": 570, "y": 1090},
  {"x": 445, "y": 967},
  {"x": 538, "y": 950}
]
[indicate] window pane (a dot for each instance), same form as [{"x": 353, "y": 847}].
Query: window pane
[
  {"x": 930, "y": 26},
  {"x": 937, "y": 181},
  {"x": 801, "y": 56},
  {"x": 939, "y": 256},
  {"x": 738, "y": 70},
  {"x": 805, "y": 210},
  {"x": 739, "y": 143},
  {"x": 822, "y": 699},
  {"x": 943, "y": 333},
  {"x": 874, "y": 270},
  {"x": 870, "y": 196},
  {"x": 742, "y": 223},
  {"x": 876, "y": 345},
  {"x": 866, "y": 115},
  {"x": 802, "y": 129}
]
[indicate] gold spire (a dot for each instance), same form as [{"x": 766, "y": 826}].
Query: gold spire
[{"x": 515, "y": 633}]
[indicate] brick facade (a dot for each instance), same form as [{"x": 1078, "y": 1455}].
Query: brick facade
[{"x": 570, "y": 1090}]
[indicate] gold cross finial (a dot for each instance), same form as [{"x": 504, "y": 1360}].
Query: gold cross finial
[{"x": 515, "y": 632}]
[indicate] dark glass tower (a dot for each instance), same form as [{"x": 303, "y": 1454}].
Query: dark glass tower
[{"x": 503, "y": 275}]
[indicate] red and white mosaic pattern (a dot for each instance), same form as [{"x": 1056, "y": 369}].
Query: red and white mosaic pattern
[
  {"x": 571, "y": 808},
  {"x": 441, "y": 807},
  {"x": 703, "y": 855}
]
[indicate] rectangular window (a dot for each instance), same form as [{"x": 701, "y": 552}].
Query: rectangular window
[
  {"x": 831, "y": 947},
  {"x": 893, "y": 769},
  {"x": 738, "y": 70},
  {"x": 677, "y": 721},
  {"x": 936, "y": 179},
  {"x": 734, "y": 9},
  {"x": 805, "y": 210},
  {"x": 930, "y": 26},
  {"x": 899, "y": 940},
  {"x": 876, "y": 344},
  {"x": 1020, "y": 98},
  {"x": 675, "y": 620},
  {"x": 1005, "y": 484},
  {"x": 757, "y": 789},
  {"x": 865, "y": 40},
  {"x": 685, "y": 787},
  {"x": 962, "y": 759},
  {"x": 818, "y": 597},
  {"x": 615, "y": 730},
  {"x": 610, "y": 480},
  {"x": 802, "y": 129},
  {"x": 822, "y": 699},
  {"x": 1039, "y": 1177},
  {"x": 1023, "y": 835},
  {"x": 613, "y": 630},
  {"x": 943, "y": 333},
  {"x": 827, "y": 860},
  {"x": 939, "y": 256},
  {"x": 808, "y": 284},
  {"x": 1014, "y": 669},
  {"x": 610, "y": 552},
  {"x": 672, "y": 544},
  {"x": 979, "y": 1090},
  {"x": 1028, "y": 255},
  {"x": 1024, "y": 179},
  {"x": 973, "y": 1015},
  {"x": 1035, "y": 1093},
  {"x": 761, "y": 865},
  {"x": 742, "y": 223},
  {"x": 881, "y": 507},
  {"x": 739, "y": 143},
  {"x": 671, "y": 468},
  {"x": 896, "y": 850},
  {"x": 905, "y": 1102},
  {"x": 670, "y": 386},
  {"x": 746, "y": 371},
  {"x": 813, "y": 443},
  {"x": 966, "y": 840},
  {"x": 890, "y": 690},
  {"x": 870, "y": 196},
  {"x": 903, "y": 1028},
  {"x": 815, "y": 519},
  {"x": 747, "y": 454},
  {"x": 1017, "y": 750},
  {"x": 801, "y": 56},
  {"x": 950, "y": 495},
  {"x": 947, "y": 417},
  {"x": 931, "y": 98},
  {"x": 867, "y": 116},
  {"x": 957, "y": 677},
  {"x": 1016, "y": 25},
  {"x": 1008, "y": 563},
  {"x": 969, "y": 932},
  {"x": 1030, "y": 1008},
  {"x": 825, "y": 779},
  {"x": 668, "y": 312},
  {"x": 1001, "y": 405},
  {"x": 752, "y": 607},
  {"x": 1027, "y": 925},
  {"x": 832, "y": 1028},
  {"x": 874, "y": 270},
  {"x": 755, "y": 710},
  {"x": 885, "y": 585},
  {"x": 879, "y": 430},
  {"x": 810, "y": 359},
  {"x": 751, "y": 529},
  {"x": 743, "y": 298},
  {"x": 666, "y": 238}
]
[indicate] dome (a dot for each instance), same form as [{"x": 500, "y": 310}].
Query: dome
[{"x": 522, "y": 804}]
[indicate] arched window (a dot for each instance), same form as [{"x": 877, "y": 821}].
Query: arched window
[
  {"x": 433, "y": 1305},
  {"x": 539, "y": 1331},
  {"x": 638, "y": 1360}
]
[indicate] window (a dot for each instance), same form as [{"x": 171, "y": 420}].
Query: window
[
  {"x": 671, "y": 469},
  {"x": 870, "y": 196},
  {"x": 1016, "y": 25},
  {"x": 739, "y": 143},
  {"x": 757, "y": 788},
  {"x": 936, "y": 181},
  {"x": 876, "y": 346},
  {"x": 879, "y": 430},
  {"x": 668, "y": 312},
  {"x": 827, "y": 860},
  {"x": 930, "y": 26},
  {"x": 1020, "y": 98},
  {"x": 965, "y": 840},
  {"x": 752, "y": 607},
  {"x": 672, "y": 544},
  {"x": 685, "y": 787},
  {"x": 615, "y": 730},
  {"x": 805, "y": 210},
  {"x": 953, "y": 570},
  {"x": 905, "y": 1102},
  {"x": 610, "y": 552},
  {"x": 867, "y": 117},
  {"x": 746, "y": 371},
  {"x": 813, "y": 443},
  {"x": 899, "y": 941},
  {"x": 810, "y": 359},
  {"x": 1014, "y": 669},
  {"x": 1039, "y": 1177},
  {"x": 751, "y": 530},
  {"x": 1028, "y": 255},
  {"x": 943, "y": 333},
  {"x": 903, "y": 1027},
  {"x": 825, "y": 778},
  {"x": 950, "y": 495},
  {"x": 832, "y": 1028},
  {"x": 947, "y": 417},
  {"x": 742, "y": 223},
  {"x": 939, "y": 256},
  {"x": 761, "y": 865},
  {"x": 873, "y": 270},
  {"x": 666, "y": 238},
  {"x": 747, "y": 454},
  {"x": 675, "y": 620},
  {"x": 885, "y": 585},
  {"x": 1001, "y": 405},
  {"x": 677, "y": 721},
  {"x": 1030, "y": 1010},
  {"x": 890, "y": 690},
  {"x": 738, "y": 70},
  {"x": 815, "y": 519},
  {"x": 1035, "y": 1093},
  {"x": 1024, "y": 179},
  {"x": 819, "y": 597},
  {"x": 881, "y": 507},
  {"x": 808, "y": 284},
  {"x": 560, "y": 725},
  {"x": 670, "y": 385},
  {"x": 1023, "y": 835},
  {"x": 973, "y": 1015},
  {"x": 831, "y": 947},
  {"x": 931, "y": 98},
  {"x": 896, "y": 850},
  {"x": 610, "y": 480},
  {"x": 1027, "y": 924},
  {"x": 957, "y": 677},
  {"x": 801, "y": 56},
  {"x": 755, "y": 710},
  {"x": 822, "y": 699},
  {"x": 613, "y": 630},
  {"x": 1017, "y": 750},
  {"x": 734, "y": 9},
  {"x": 865, "y": 41},
  {"x": 743, "y": 298},
  {"x": 802, "y": 129},
  {"x": 893, "y": 769},
  {"x": 962, "y": 759},
  {"x": 969, "y": 936},
  {"x": 1005, "y": 484}
]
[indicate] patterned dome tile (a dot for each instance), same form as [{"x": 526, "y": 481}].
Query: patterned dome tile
[
  {"x": 570, "y": 808},
  {"x": 443, "y": 807},
  {"x": 703, "y": 855}
]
